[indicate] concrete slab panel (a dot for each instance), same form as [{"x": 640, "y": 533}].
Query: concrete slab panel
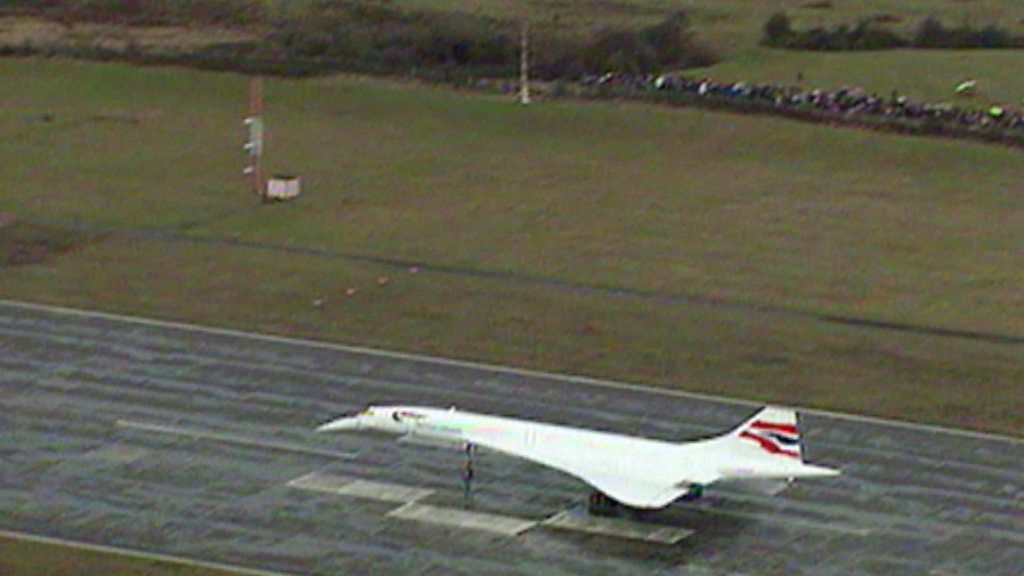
[
  {"x": 505, "y": 525},
  {"x": 358, "y": 488},
  {"x": 616, "y": 527}
]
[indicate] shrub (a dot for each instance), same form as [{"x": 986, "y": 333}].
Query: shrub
[
  {"x": 378, "y": 37},
  {"x": 870, "y": 34},
  {"x": 777, "y": 29},
  {"x": 930, "y": 33},
  {"x": 668, "y": 44}
]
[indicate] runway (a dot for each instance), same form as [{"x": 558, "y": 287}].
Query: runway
[{"x": 199, "y": 444}]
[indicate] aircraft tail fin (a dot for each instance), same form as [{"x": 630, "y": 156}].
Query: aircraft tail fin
[
  {"x": 766, "y": 447},
  {"x": 774, "y": 430}
]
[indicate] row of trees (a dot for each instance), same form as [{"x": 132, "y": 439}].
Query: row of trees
[
  {"x": 335, "y": 34},
  {"x": 873, "y": 34},
  {"x": 375, "y": 36}
]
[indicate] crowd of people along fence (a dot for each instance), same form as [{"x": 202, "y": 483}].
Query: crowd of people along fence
[{"x": 846, "y": 105}]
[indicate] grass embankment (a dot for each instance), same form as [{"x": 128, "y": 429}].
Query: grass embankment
[
  {"x": 923, "y": 75},
  {"x": 733, "y": 25},
  {"x": 17, "y": 30},
  {"x": 20, "y": 557},
  {"x": 730, "y": 30},
  {"x": 726, "y": 24},
  {"x": 751, "y": 212}
]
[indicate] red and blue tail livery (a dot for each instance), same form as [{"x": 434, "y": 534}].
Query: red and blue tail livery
[{"x": 774, "y": 430}]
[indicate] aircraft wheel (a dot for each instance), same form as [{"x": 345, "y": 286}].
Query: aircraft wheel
[
  {"x": 601, "y": 504},
  {"x": 695, "y": 492}
]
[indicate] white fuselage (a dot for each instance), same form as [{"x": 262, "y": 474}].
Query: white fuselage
[{"x": 638, "y": 472}]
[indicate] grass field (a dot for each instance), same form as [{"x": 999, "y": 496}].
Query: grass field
[
  {"x": 733, "y": 29},
  {"x": 26, "y": 558},
  {"x": 516, "y": 215},
  {"x": 727, "y": 24},
  {"x": 734, "y": 25},
  {"x": 928, "y": 75}
]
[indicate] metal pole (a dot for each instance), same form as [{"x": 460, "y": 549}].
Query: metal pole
[
  {"x": 524, "y": 63},
  {"x": 254, "y": 170},
  {"x": 467, "y": 475}
]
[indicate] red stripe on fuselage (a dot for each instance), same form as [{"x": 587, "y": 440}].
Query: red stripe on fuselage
[
  {"x": 768, "y": 445},
  {"x": 785, "y": 428}
]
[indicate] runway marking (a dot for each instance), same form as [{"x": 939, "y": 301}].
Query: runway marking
[
  {"x": 504, "y": 525},
  {"x": 659, "y": 533},
  {"x": 359, "y": 488},
  {"x": 233, "y": 439},
  {"x": 142, "y": 555},
  {"x": 582, "y": 380}
]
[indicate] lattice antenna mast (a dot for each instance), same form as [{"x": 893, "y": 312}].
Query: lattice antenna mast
[
  {"x": 254, "y": 146},
  {"x": 524, "y": 63}
]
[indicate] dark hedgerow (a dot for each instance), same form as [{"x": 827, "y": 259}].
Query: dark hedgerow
[
  {"x": 374, "y": 36},
  {"x": 379, "y": 37},
  {"x": 932, "y": 33},
  {"x": 666, "y": 45},
  {"x": 777, "y": 29},
  {"x": 872, "y": 34},
  {"x": 867, "y": 34}
]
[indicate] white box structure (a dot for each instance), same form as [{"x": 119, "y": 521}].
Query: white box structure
[{"x": 283, "y": 187}]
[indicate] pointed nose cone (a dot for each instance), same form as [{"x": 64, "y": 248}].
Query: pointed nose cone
[{"x": 347, "y": 423}]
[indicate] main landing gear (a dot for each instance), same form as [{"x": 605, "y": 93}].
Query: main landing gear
[
  {"x": 600, "y": 504},
  {"x": 467, "y": 475},
  {"x": 694, "y": 493}
]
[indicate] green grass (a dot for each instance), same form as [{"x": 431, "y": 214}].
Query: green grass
[
  {"x": 733, "y": 29},
  {"x": 732, "y": 25},
  {"x": 734, "y": 353},
  {"x": 928, "y": 75},
  {"x": 26, "y": 558},
  {"x": 23, "y": 243},
  {"x": 754, "y": 211}
]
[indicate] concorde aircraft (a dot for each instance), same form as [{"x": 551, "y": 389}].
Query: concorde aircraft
[{"x": 627, "y": 471}]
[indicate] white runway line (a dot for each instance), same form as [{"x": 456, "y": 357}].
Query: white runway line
[
  {"x": 232, "y": 439},
  {"x": 582, "y": 380},
  {"x": 498, "y": 524},
  {"x": 582, "y": 522},
  {"x": 359, "y": 488},
  {"x": 142, "y": 555}
]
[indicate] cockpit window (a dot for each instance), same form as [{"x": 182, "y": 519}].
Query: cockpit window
[{"x": 403, "y": 415}]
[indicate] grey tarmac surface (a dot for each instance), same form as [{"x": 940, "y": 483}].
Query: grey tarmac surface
[{"x": 184, "y": 442}]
